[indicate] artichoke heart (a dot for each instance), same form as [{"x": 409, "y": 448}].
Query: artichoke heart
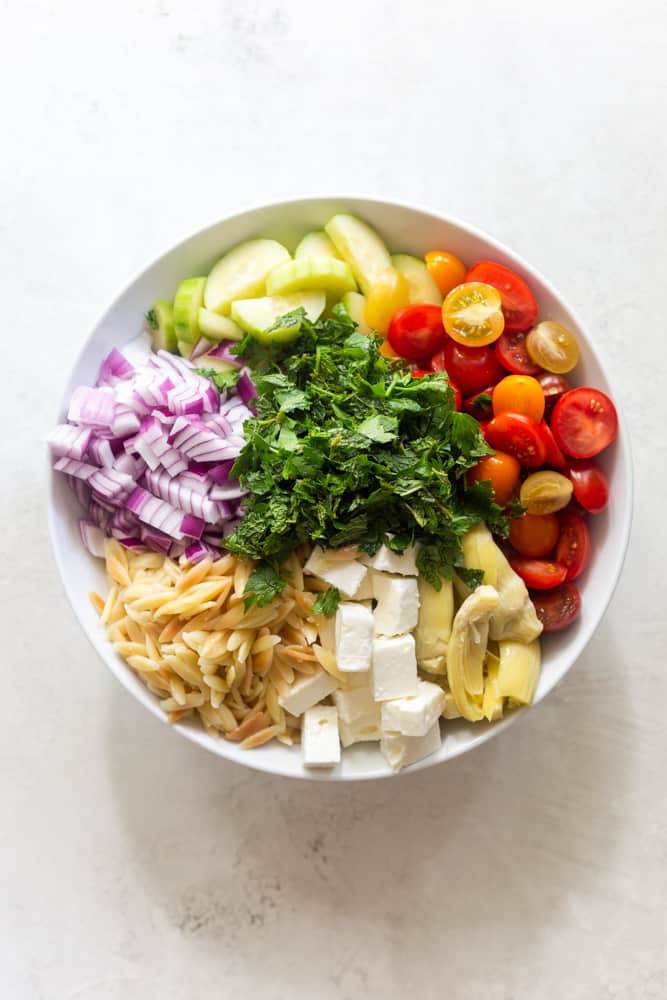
[
  {"x": 436, "y": 613},
  {"x": 466, "y": 651}
]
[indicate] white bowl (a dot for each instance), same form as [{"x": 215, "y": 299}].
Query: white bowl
[{"x": 405, "y": 229}]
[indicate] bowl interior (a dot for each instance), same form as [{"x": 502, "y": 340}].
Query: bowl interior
[{"x": 405, "y": 229}]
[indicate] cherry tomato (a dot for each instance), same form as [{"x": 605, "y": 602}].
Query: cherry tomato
[
  {"x": 519, "y": 436},
  {"x": 512, "y": 353},
  {"x": 519, "y": 305},
  {"x": 472, "y": 368},
  {"x": 389, "y": 293},
  {"x": 458, "y": 399},
  {"x": 557, "y": 608},
  {"x": 417, "y": 332},
  {"x": 420, "y": 372},
  {"x": 554, "y": 456},
  {"x": 574, "y": 546},
  {"x": 553, "y": 387},
  {"x": 480, "y": 405},
  {"x": 534, "y": 534},
  {"x": 387, "y": 351},
  {"x": 502, "y": 471},
  {"x": 539, "y": 574},
  {"x": 553, "y": 347},
  {"x": 519, "y": 394},
  {"x": 545, "y": 492},
  {"x": 472, "y": 314},
  {"x": 590, "y": 485},
  {"x": 446, "y": 270},
  {"x": 584, "y": 422}
]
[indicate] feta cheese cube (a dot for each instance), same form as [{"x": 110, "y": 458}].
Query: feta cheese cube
[
  {"x": 354, "y": 637},
  {"x": 346, "y": 574},
  {"x": 319, "y": 737},
  {"x": 415, "y": 715},
  {"x": 397, "y": 608},
  {"x": 361, "y": 731},
  {"x": 306, "y": 691},
  {"x": 394, "y": 667},
  {"x": 399, "y": 750},
  {"x": 387, "y": 561},
  {"x": 364, "y": 591},
  {"x": 356, "y": 703}
]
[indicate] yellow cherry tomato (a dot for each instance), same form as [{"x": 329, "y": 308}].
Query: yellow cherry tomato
[
  {"x": 473, "y": 315},
  {"x": 553, "y": 347},
  {"x": 389, "y": 293},
  {"x": 545, "y": 492},
  {"x": 519, "y": 394},
  {"x": 446, "y": 270}
]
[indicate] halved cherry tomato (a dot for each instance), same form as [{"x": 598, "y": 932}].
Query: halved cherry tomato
[
  {"x": 584, "y": 422},
  {"x": 519, "y": 305},
  {"x": 574, "y": 546},
  {"x": 472, "y": 314},
  {"x": 416, "y": 332},
  {"x": 554, "y": 456},
  {"x": 519, "y": 436},
  {"x": 420, "y": 372},
  {"x": 557, "y": 608},
  {"x": 590, "y": 484},
  {"x": 480, "y": 405},
  {"x": 472, "y": 368},
  {"x": 446, "y": 270},
  {"x": 512, "y": 353},
  {"x": 534, "y": 535},
  {"x": 553, "y": 387},
  {"x": 519, "y": 394},
  {"x": 552, "y": 346},
  {"x": 502, "y": 471},
  {"x": 539, "y": 574}
]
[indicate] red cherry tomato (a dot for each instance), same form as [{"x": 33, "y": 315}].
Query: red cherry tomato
[
  {"x": 590, "y": 485},
  {"x": 512, "y": 353},
  {"x": 554, "y": 456},
  {"x": 472, "y": 368},
  {"x": 416, "y": 332},
  {"x": 480, "y": 406},
  {"x": 557, "y": 608},
  {"x": 540, "y": 574},
  {"x": 573, "y": 552},
  {"x": 420, "y": 372},
  {"x": 534, "y": 535},
  {"x": 458, "y": 399},
  {"x": 519, "y": 305},
  {"x": 584, "y": 422},
  {"x": 553, "y": 387},
  {"x": 519, "y": 436}
]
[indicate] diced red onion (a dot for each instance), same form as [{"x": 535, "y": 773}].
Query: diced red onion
[
  {"x": 220, "y": 473},
  {"x": 198, "y": 551},
  {"x": 192, "y": 526},
  {"x": 100, "y": 452},
  {"x": 133, "y": 543},
  {"x": 114, "y": 366},
  {"x": 222, "y": 351},
  {"x": 91, "y": 407},
  {"x": 80, "y": 470},
  {"x": 92, "y": 537},
  {"x": 201, "y": 347},
  {"x": 69, "y": 441},
  {"x": 245, "y": 387},
  {"x": 125, "y": 422}
]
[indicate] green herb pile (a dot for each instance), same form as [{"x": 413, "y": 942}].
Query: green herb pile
[{"x": 347, "y": 448}]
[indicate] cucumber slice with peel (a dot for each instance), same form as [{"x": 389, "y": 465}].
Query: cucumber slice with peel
[
  {"x": 311, "y": 273},
  {"x": 241, "y": 273},
  {"x": 361, "y": 247},
  {"x": 185, "y": 348},
  {"x": 257, "y": 316},
  {"x": 355, "y": 306},
  {"x": 187, "y": 302},
  {"x": 216, "y": 327},
  {"x": 217, "y": 364},
  {"x": 316, "y": 244},
  {"x": 161, "y": 323},
  {"x": 423, "y": 288}
]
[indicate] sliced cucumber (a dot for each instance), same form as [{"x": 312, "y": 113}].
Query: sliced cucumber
[
  {"x": 361, "y": 247},
  {"x": 311, "y": 273},
  {"x": 161, "y": 323},
  {"x": 187, "y": 302},
  {"x": 316, "y": 245},
  {"x": 422, "y": 286},
  {"x": 216, "y": 327},
  {"x": 257, "y": 316},
  {"x": 355, "y": 306},
  {"x": 241, "y": 273},
  {"x": 217, "y": 364},
  {"x": 185, "y": 348}
]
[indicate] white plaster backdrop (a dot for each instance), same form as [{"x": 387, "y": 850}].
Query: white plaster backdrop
[{"x": 133, "y": 864}]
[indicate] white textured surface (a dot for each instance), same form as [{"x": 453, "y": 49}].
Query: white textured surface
[{"x": 133, "y": 864}]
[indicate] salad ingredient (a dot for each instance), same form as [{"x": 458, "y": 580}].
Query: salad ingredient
[
  {"x": 467, "y": 648},
  {"x": 512, "y": 353},
  {"x": 574, "y": 546},
  {"x": 553, "y": 455},
  {"x": 397, "y": 609},
  {"x": 472, "y": 314},
  {"x": 311, "y": 273},
  {"x": 187, "y": 302},
  {"x": 589, "y": 485},
  {"x": 519, "y": 394},
  {"x": 535, "y": 535},
  {"x": 422, "y": 288},
  {"x": 160, "y": 318},
  {"x": 242, "y": 273},
  {"x": 519, "y": 305},
  {"x": 446, "y": 270},
  {"x": 553, "y": 387},
  {"x": 400, "y": 751},
  {"x": 354, "y": 637},
  {"x": 416, "y": 332},
  {"x": 458, "y": 398},
  {"x": 338, "y": 568},
  {"x": 215, "y": 327},
  {"x": 416, "y": 714},
  {"x": 386, "y": 560},
  {"x": 276, "y": 318},
  {"x": 584, "y": 422},
  {"x": 480, "y": 405},
  {"x": 553, "y": 347},
  {"x": 394, "y": 672},
  {"x": 518, "y": 670},
  {"x": 354, "y": 304},
  {"x": 539, "y": 574},
  {"x": 361, "y": 247},
  {"x": 307, "y": 690},
  {"x": 316, "y": 244},
  {"x": 320, "y": 739},
  {"x": 558, "y": 608},
  {"x": 502, "y": 471},
  {"x": 434, "y": 625},
  {"x": 545, "y": 492},
  {"x": 517, "y": 435},
  {"x": 472, "y": 368},
  {"x": 388, "y": 293}
]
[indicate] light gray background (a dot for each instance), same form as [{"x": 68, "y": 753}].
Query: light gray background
[{"x": 134, "y": 865}]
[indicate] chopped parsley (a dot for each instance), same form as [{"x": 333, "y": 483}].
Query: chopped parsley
[{"x": 327, "y": 602}]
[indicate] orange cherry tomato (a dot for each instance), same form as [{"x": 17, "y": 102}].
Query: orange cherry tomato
[
  {"x": 519, "y": 394},
  {"x": 502, "y": 471},
  {"x": 387, "y": 351},
  {"x": 472, "y": 314},
  {"x": 446, "y": 270},
  {"x": 534, "y": 534}
]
